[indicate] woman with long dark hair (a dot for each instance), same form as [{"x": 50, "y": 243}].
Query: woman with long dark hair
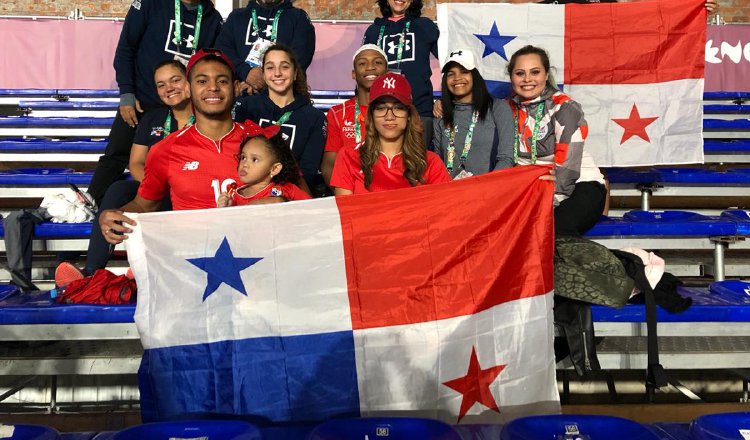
[
  {"x": 393, "y": 155},
  {"x": 475, "y": 134}
]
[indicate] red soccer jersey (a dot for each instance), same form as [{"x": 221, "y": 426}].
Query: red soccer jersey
[
  {"x": 386, "y": 174},
  {"x": 341, "y": 125},
  {"x": 288, "y": 191},
  {"x": 192, "y": 167}
]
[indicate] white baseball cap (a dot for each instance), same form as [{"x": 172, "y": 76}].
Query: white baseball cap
[
  {"x": 365, "y": 47},
  {"x": 463, "y": 57}
]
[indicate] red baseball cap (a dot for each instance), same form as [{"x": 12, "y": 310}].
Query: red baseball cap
[
  {"x": 393, "y": 85},
  {"x": 203, "y": 53}
]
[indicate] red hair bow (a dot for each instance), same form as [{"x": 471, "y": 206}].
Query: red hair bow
[{"x": 252, "y": 129}]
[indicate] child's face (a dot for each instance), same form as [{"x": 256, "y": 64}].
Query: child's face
[{"x": 257, "y": 164}]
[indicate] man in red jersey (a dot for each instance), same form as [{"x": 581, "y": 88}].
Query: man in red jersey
[
  {"x": 197, "y": 163},
  {"x": 346, "y": 121}
]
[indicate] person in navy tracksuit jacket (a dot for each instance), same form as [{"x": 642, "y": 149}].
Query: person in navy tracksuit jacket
[
  {"x": 148, "y": 37},
  {"x": 402, "y": 26},
  {"x": 293, "y": 29}
]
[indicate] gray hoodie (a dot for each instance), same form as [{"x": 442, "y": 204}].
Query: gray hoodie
[{"x": 491, "y": 144}]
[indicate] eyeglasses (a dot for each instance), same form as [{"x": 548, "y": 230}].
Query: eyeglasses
[{"x": 398, "y": 110}]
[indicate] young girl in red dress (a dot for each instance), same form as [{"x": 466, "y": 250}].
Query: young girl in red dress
[{"x": 266, "y": 169}]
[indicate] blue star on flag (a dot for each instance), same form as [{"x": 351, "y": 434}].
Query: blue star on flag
[
  {"x": 223, "y": 267},
  {"x": 494, "y": 42}
]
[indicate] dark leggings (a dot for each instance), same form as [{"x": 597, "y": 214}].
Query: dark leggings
[
  {"x": 577, "y": 214},
  {"x": 115, "y": 159}
]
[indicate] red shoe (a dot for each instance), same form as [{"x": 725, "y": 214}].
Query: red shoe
[{"x": 66, "y": 273}]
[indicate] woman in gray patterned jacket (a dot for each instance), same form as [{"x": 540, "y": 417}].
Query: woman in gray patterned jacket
[{"x": 549, "y": 128}]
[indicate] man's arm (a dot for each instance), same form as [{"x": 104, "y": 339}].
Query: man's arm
[{"x": 114, "y": 223}]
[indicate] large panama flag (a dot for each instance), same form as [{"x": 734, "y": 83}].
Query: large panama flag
[
  {"x": 432, "y": 301},
  {"x": 635, "y": 67}
]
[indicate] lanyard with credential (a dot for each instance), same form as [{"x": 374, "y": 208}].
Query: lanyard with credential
[
  {"x": 467, "y": 143},
  {"x": 178, "y": 25},
  {"x": 516, "y": 135},
  {"x": 274, "y": 26},
  {"x": 285, "y": 117},
  {"x": 168, "y": 124},
  {"x": 357, "y": 129},
  {"x": 401, "y": 41}
]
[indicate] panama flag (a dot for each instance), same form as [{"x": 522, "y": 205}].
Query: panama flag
[
  {"x": 433, "y": 301},
  {"x": 636, "y": 68}
]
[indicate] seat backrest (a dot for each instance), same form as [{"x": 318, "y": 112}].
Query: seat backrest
[
  {"x": 194, "y": 429},
  {"x": 575, "y": 427},
  {"x": 724, "y": 426},
  {"x": 384, "y": 428}
]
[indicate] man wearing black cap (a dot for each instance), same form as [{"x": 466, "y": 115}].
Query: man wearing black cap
[{"x": 197, "y": 163}]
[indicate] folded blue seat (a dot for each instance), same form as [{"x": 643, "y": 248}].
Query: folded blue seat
[
  {"x": 46, "y": 145},
  {"x": 724, "y": 426},
  {"x": 392, "y": 428},
  {"x": 197, "y": 429},
  {"x": 575, "y": 427},
  {"x": 28, "y": 122},
  {"x": 725, "y": 125},
  {"x": 677, "y": 223}
]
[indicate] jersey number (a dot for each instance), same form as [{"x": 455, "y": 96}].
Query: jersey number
[{"x": 220, "y": 188}]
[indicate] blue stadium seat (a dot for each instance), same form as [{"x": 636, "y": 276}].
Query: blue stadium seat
[
  {"x": 70, "y": 105},
  {"x": 610, "y": 227},
  {"x": 38, "y": 308},
  {"x": 671, "y": 431},
  {"x": 677, "y": 223},
  {"x": 27, "y": 122},
  {"x": 71, "y": 93},
  {"x": 726, "y": 125},
  {"x": 734, "y": 291},
  {"x": 208, "y": 429},
  {"x": 46, "y": 145},
  {"x": 723, "y": 426},
  {"x": 708, "y": 306},
  {"x": 28, "y": 432},
  {"x": 7, "y": 290},
  {"x": 726, "y": 109},
  {"x": 575, "y": 427},
  {"x": 740, "y": 217},
  {"x": 44, "y": 176},
  {"x": 394, "y": 428},
  {"x": 728, "y": 145},
  {"x": 725, "y": 95},
  {"x": 58, "y": 230}
]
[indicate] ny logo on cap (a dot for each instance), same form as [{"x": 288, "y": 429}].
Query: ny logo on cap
[
  {"x": 458, "y": 52},
  {"x": 389, "y": 83}
]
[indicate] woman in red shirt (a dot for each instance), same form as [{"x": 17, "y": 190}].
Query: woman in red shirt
[{"x": 393, "y": 155}]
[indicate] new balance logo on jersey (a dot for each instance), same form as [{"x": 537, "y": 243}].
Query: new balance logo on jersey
[{"x": 190, "y": 166}]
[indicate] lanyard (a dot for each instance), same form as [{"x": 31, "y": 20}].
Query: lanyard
[
  {"x": 357, "y": 129},
  {"x": 401, "y": 40},
  {"x": 467, "y": 142},
  {"x": 168, "y": 123},
  {"x": 178, "y": 25},
  {"x": 516, "y": 135},
  {"x": 285, "y": 117},
  {"x": 274, "y": 26}
]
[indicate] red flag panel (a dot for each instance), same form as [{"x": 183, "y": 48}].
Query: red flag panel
[
  {"x": 634, "y": 43},
  {"x": 449, "y": 250}
]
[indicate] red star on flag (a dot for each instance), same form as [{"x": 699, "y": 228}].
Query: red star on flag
[
  {"x": 475, "y": 386},
  {"x": 635, "y": 125}
]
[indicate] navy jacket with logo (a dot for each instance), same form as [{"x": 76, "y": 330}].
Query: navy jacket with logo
[
  {"x": 294, "y": 30},
  {"x": 146, "y": 40},
  {"x": 305, "y": 130},
  {"x": 419, "y": 43}
]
